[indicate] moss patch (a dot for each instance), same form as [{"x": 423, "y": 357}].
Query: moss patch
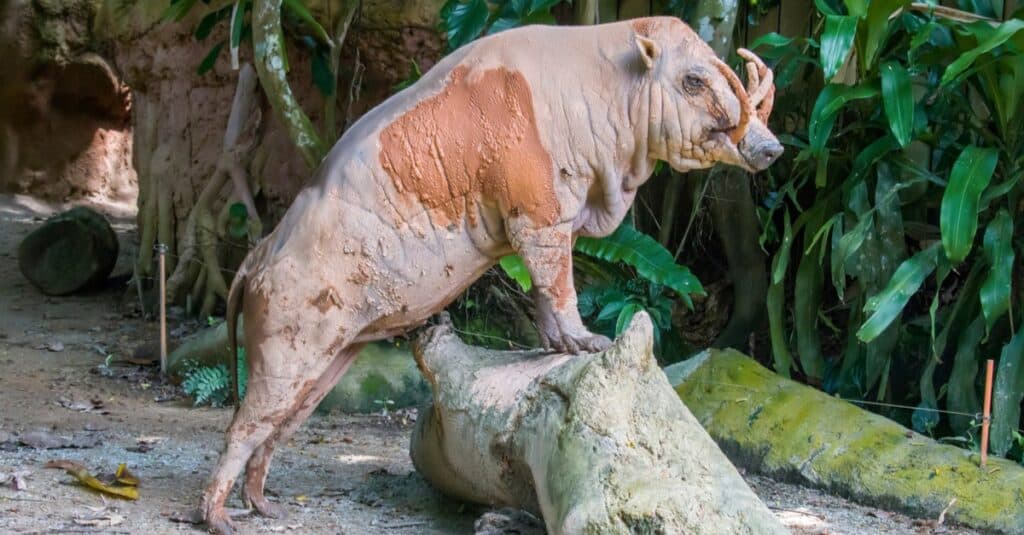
[{"x": 776, "y": 426}]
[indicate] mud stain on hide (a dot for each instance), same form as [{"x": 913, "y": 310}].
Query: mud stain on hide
[
  {"x": 561, "y": 290},
  {"x": 476, "y": 140},
  {"x": 327, "y": 298}
]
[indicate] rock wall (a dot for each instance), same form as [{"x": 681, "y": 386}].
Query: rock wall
[
  {"x": 65, "y": 129},
  {"x": 68, "y": 110},
  {"x": 159, "y": 62}
]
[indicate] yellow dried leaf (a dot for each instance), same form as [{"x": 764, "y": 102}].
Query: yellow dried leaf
[{"x": 82, "y": 475}]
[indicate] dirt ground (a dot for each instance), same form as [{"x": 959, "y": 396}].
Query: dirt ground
[{"x": 340, "y": 474}]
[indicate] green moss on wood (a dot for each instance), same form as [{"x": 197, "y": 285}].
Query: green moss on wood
[{"x": 779, "y": 427}]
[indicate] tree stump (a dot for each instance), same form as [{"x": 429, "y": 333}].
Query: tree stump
[
  {"x": 592, "y": 443},
  {"x": 71, "y": 251}
]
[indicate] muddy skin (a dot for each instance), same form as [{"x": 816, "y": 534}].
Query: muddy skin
[{"x": 518, "y": 142}]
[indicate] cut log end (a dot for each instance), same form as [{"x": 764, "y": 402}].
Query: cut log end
[
  {"x": 70, "y": 252},
  {"x": 592, "y": 443}
]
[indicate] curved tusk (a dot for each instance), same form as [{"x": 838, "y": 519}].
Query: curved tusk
[
  {"x": 746, "y": 108},
  {"x": 764, "y": 96},
  {"x": 753, "y": 81}
]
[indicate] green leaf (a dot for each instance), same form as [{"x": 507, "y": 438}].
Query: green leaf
[
  {"x": 1007, "y": 394},
  {"x": 650, "y": 259},
  {"x": 300, "y": 11},
  {"x": 515, "y": 268},
  {"x": 502, "y": 24},
  {"x": 898, "y": 100},
  {"x": 887, "y": 305},
  {"x": 1002, "y": 34},
  {"x": 237, "y": 21},
  {"x": 177, "y": 10},
  {"x": 625, "y": 316},
  {"x": 995, "y": 291},
  {"x": 323, "y": 78},
  {"x": 806, "y": 302},
  {"x": 611, "y": 310},
  {"x": 210, "y": 21},
  {"x": 466, "y": 22},
  {"x": 857, "y": 7},
  {"x": 844, "y": 249},
  {"x": 775, "y": 301},
  {"x": 877, "y": 24},
  {"x": 961, "y": 392},
  {"x": 210, "y": 59},
  {"x": 836, "y": 42},
  {"x": 958, "y": 216},
  {"x": 771, "y": 40},
  {"x": 542, "y": 5},
  {"x": 823, "y": 117}
]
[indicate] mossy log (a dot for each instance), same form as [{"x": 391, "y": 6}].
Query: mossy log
[
  {"x": 71, "y": 251},
  {"x": 593, "y": 443},
  {"x": 775, "y": 426}
]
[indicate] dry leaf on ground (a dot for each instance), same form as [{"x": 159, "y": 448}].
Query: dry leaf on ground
[{"x": 115, "y": 488}]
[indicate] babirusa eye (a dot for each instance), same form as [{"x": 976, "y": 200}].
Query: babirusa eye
[{"x": 693, "y": 83}]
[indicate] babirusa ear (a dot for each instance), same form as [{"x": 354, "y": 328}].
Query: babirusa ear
[{"x": 649, "y": 50}]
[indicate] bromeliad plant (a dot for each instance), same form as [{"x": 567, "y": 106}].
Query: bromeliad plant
[{"x": 898, "y": 212}]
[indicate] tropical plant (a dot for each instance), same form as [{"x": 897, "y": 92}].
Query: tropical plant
[
  {"x": 894, "y": 223},
  {"x": 465, "y": 20}
]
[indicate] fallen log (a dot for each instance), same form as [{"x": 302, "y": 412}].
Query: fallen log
[
  {"x": 772, "y": 425},
  {"x": 592, "y": 443},
  {"x": 71, "y": 251}
]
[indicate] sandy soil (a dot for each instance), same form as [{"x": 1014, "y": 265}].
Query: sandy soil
[{"x": 340, "y": 474}]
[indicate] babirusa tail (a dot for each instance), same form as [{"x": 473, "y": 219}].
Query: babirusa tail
[{"x": 234, "y": 307}]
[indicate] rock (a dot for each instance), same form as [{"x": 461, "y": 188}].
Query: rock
[
  {"x": 383, "y": 373},
  {"x": 69, "y": 252}
]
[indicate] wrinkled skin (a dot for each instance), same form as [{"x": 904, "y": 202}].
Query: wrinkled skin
[{"x": 517, "y": 142}]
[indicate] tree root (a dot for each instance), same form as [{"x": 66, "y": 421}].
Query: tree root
[{"x": 199, "y": 268}]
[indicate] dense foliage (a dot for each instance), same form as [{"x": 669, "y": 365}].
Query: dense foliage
[{"x": 894, "y": 218}]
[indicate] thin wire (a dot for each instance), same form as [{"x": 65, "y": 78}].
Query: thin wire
[{"x": 878, "y": 403}]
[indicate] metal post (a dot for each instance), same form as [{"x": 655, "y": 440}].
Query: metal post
[{"x": 161, "y": 250}]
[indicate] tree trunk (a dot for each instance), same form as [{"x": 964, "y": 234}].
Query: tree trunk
[{"x": 593, "y": 443}]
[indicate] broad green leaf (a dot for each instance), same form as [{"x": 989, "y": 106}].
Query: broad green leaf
[
  {"x": 775, "y": 301},
  {"x": 898, "y": 101},
  {"x": 237, "y": 21},
  {"x": 515, "y": 268},
  {"x": 323, "y": 78},
  {"x": 210, "y": 59},
  {"x": 878, "y": 25},
  {"x": 650, "y": 259},
  {"x": 771, "y": 40},
  {"x": 466, "y": 22},
  {"x": 806, "y": 302},
  {"x": 1004, "y": 32},
  {"x": 836, "y": 42},
  {"x": 1007, "y": 394},
  {"x": 177, "y": 10},
  {"x": 625, "y": 316},
  {"x": 995, "y": 291},
  {"x": 502, "y": 24},
  {"x": 887, "y": 305},
  {"x": 961, "y": 392},
  {"x": 925, "y": 417},
  {"x": 826, "y": 8},
  {"x": 857, "y": 7},
  {"x": 958, "y": 216},
  {"x": 844, "y": 249},
  {"x": 210, "y": 21},
  {"x": 541, "y": 5},
  {"x": 300, "y": 11},
  {"x": 870, "y": 155},
  {"x": 611, "y": 310},
  {"x": 823, "y": 117}
]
